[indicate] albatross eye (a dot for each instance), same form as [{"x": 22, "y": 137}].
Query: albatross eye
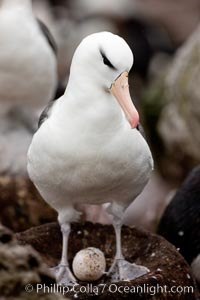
[{"x": 106, "y": 61}]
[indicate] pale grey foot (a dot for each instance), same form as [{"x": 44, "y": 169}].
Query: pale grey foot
[
  {"x": 62, "y": 272},
  {"x": 122, "y": 270},
  {"x": 63, "y": 275}
]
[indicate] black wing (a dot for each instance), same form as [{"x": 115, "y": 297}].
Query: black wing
[
  {"x": 46, "y": 113},
  {"x": 141, "y": 130},
  {"x": 48, "y": 36}
]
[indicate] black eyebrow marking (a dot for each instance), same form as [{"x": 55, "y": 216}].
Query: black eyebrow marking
[{"x": 106, "y": 60}]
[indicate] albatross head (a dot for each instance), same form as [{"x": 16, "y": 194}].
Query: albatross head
[{"x": 104, "y": 60}]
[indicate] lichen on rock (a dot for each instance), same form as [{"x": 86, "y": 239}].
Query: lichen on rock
[{"x": 21, "y": 269}]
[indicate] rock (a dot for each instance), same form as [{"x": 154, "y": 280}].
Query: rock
[
  {"x": 6, "y": 235},
  {"x": 179, "y": 123},
  {"x": 173, "y": 108},
  {"x": 21, "y": 206},
  {"x": 21, "y": 271},
  {"x": 167, "y": 266}
]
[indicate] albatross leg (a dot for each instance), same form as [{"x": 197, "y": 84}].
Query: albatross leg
[
  {"x": 122, "y": 269},
  {"x": 62, "y": 271}
]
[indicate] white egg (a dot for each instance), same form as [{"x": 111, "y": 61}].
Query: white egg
[{"x": 89, "y": 264}]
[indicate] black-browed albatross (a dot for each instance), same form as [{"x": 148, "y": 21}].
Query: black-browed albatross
[
  {"x": 88, "y": 148},
  {"x": 28, "y": 63}
]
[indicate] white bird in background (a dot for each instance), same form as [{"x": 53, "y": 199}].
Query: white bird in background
[
  {"x": 28, "y": 66},
  {"x": 28, "y": 80},
  {"x": 88, "y": 148}
]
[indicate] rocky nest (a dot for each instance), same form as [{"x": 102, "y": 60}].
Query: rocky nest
[{"x": 168, "y": 269}]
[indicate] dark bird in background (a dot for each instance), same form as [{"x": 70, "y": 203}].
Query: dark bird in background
[{"x": 180, "y": 223}]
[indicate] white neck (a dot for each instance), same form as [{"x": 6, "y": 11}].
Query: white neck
[
  {"x": 17, "y": 3},
  {"x": 90, "y": 105}
]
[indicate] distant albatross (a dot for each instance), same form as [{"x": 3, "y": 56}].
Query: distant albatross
[
  {"x": 88, "y": 148},
  {"x": 28, "y": 64}
]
